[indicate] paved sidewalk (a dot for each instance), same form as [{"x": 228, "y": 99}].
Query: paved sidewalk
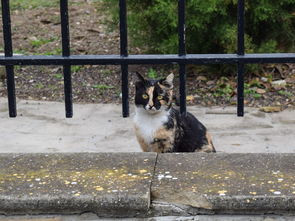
[{"x": 42, "y": 127}]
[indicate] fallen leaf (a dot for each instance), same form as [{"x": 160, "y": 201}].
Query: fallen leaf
[
  {"x": 271, "y": 109},
  {"x": 281, "y": 83},
  {"x": 93, "y": 30},
  {"x": 201, "y": 78},
  {"x": 260, "y": 91},
  {"x": 190, "y": 98},
  {"x": 210, "y": 82}
]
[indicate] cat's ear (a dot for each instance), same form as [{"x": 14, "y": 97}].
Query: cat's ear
[
  {"x": 140, "y": 77},
  {"x": 140, "y": 82},
  {"x": 168, "y": 81}
]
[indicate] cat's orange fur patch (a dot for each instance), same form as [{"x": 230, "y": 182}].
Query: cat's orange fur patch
[
  {"x": 150, "y": 92},
  {"x": 163, "y": 140}
]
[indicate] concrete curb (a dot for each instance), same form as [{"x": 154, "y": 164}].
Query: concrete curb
[
  {"x": 191, "y": 184},
  {"x": 147, "y": 184},
  {"x": 111, "y": 185}
]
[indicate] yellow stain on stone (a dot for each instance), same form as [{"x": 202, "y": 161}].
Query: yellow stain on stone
[
  {"x": 222, "y": 191},
  {"x": 142, "y": 171},
  {"x": 99, "y": 188}
]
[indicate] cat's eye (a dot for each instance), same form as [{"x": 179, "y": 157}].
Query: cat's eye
[
  {"x": 144, "y": 96},
  {"x": 160, "y": 97}
]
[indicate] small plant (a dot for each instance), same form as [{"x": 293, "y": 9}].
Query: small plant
[
  {"x": 152, "y": 74},
  {"x": 257, "y": 96},
  {"x": 41, "y": 41},
  {"x": 106, "y": 71},
  {"x": 223, "y": 88},
  {"x": 250, "y": 91},
  {"x": 58, "y": 76},
  {"x": 39, "y": 86},
  {"x": 56, "y": 51},
  {"x": 102, "y": 86},
  {"x": 76, "y": 68},
  {"x": 285, "y": 93}
]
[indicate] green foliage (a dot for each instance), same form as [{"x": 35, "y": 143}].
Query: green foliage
[
  {"x": 42, "y": 41},
  {"x": 152, "y": 74},
  {"x": 211, "y": 26},
  {"x": 28, "y": 4},
  {"x": 285, "y": 93},
  {"x": 76, "y": 68},
  {"x": 31, "y": 4},
  {"x": 223, "y": 88},
  {"x": 56, "y": 51},
  {"x": 249, "y": 89},
  {"x": 102, "y": 87},
  {"x": 58, "y": 76}
]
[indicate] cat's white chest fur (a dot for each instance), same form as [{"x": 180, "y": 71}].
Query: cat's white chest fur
[{"x": 147, "y": 124}]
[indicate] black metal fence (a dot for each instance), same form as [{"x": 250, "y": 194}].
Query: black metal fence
[{"x": 124, "y": 59}]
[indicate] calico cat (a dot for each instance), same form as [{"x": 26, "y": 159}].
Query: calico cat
[{"x": 161, "y": 128}]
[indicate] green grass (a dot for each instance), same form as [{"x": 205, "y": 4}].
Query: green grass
[
  {"x": 41, "y": 41},
  {"x": 56, "y": 51},
  {"x": 285, "y": 93},
  {"x": 58, "y": 76},
  {"x": 39, "y": 86},
  {"x": 106, "y": 72},
  {"x": 76, "y": 68},
  {"x": 102, "y": 86},
  {"x": 30, "y": 4}
]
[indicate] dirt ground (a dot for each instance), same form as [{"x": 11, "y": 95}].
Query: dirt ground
[{"x": 37, "y": 31}]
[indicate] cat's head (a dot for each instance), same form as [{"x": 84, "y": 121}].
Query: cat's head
[{"x": 154, "y": 96}]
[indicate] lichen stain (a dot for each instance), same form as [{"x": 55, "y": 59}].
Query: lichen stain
[{"x": 108, "y": 179}]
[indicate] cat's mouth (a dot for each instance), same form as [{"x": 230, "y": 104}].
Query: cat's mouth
[{"x": 152, "y": 110}]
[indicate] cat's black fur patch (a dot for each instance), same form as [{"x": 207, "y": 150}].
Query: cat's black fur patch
[{"x": 190, "y": 133}]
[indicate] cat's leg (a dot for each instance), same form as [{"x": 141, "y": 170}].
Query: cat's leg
[
  {"x": 163, "y": 141},
  {"x": 144, "y": 146},
  {"x": 161, "y": 145}
]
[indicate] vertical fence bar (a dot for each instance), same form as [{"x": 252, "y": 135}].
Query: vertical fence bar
[
  {"x": 182, "y": 52},
  {"x": 65, "y": 34},
  {"x": 241, "y": 51},
  {"x": 124, "y": 53},
  {"x": 8, "y": 53}
]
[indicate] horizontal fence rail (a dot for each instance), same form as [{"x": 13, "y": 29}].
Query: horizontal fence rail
[
  {"x": 148, "y": 59},
  {"x": 125, "y": 59}
]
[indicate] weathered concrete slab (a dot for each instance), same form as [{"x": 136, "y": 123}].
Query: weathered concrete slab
[
  {"x": 189, "y": 184},
  {"x": 41, "y": 127},
  {"x": 106, "y": 184}
]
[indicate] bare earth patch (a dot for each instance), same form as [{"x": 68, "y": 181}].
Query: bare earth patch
[{"x": 37, "y": 31}]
